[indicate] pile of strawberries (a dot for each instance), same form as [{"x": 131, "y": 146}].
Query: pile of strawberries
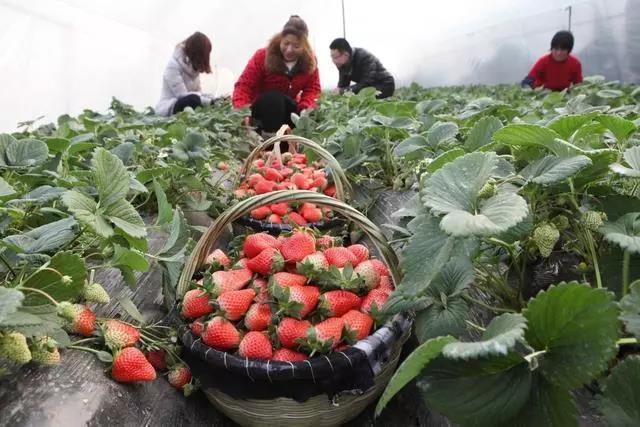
[
  {"x": 292, "y": 173},
  {"x": 287, "y": 298}
]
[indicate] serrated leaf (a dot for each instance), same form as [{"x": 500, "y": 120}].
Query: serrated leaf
[
  {"x": 49, "y": 279},
  {"x": 178, "y": 235},
  {"x": 441, "y": 132},
  {"x": 42, "y": 194},
  {"x": 477, "y": 392},
  {"x": 5, "y": 188},
  {"x": 527, "y": 135},
  {"x": 104, "y": 356},
  {"x": 632, "y": 157},
  {"x": 619, "y": 127},
  {"x": 439, "y": 319},
  {"x": 444, "y": 158},
  {"x": 20, "y": 319},
  {"x": 46, "y": 237},
  {"x": 567, "y": 125},
  {"x": 164, "y": 208},
  {"x": 123, "y": 215},
  {"x": 578, "y": 328},
  {"x": 482, "y": 133},
  {"x": 630, "y": 307},
  {"x": 552, "y": 169},
  {"x": 26, "y": 153},
  {"x": 111, "y": 177},
  {"x": 411, "y": 368},
  {"x": 620, "y": 400},
  {"x": 624, "y": 232},
  {"x": 499, "y": 338},
  {"x": 128, "y": 275},
  {"x": 130, "y": 308},
  {"x": 410, "y": 145},
  {"x": 10, "y": 301},
  {"x": 129, "y": 257},
  {"x": 124, "y": 152}
]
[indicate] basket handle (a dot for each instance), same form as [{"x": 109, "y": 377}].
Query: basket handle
[
  {"x": 213, "y": 233},
  {"x": 343, "y": 188}
]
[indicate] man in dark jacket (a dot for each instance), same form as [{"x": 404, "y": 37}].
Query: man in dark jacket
[{"x": 361, "y": 67}]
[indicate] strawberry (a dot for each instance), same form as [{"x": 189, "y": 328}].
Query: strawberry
[
  {"x": 256, "y": 345},
  {"x": 385, "y": 284},
  {"x": 179, "y": 376},
  {"x": 271, "y": 174},
  {"x": 287, "y": 355},
  {"x": 254, "y": 179},
  {"x": 234, "y": 304},
  {"x": 219, "y": 333},
  {"x": 81, "y": 320},
  {"x": 380, "y": 267},
  {"x": 280, "y": 208},
  {"x": 240, "y": 264},
  {"x": 286, "y": 172},
  {"x": 360, "y": 251},
  {"x": 314, "y": 262},
  {"x": 94, "y": 292},
  {"x": 367, "y": 271},
  {"x": 264, "y": 187},
  {"x": 274, "y": 219},
  {"x": 195, "y": 304},
  {"x": 300, "y": 181},
  {"x": 256, "y": 243},
  {"x": 312, "y": 214},
  {"x": 298, "y": 246},
  {"x": 13, "y": 346},
  {"x": 330, "y": 190},
  {"x": 338, "y": 302},
  {"x": 319, "y": 182},
  {"x": 258, "y": 317},
  {"x": 261, "y": 212},
  {"x": 294, "y": 219},
  {"x": 118, "y": 334},
  {"x": 218, "y": 256},
  {"x": 374, "y": 301},
  {"x": 326, "y": 241},
  {"x": 325, "y": 335},
  {"x": 340, "y": 256},
  {"x": 223, "y": 166},
  {"x": 230, "y": 280},
  {"x": 296, "y": 301},
  {"x": 258, "y": 163},
  {"x": 45, "y": 352},
  {"x": 130, "y": 365},
  {"x": 284, "y": 279},
  {"x": 290, "y": 331},
  {"x": 300, "y": 158},
  {"x": 157, "y": 359},
  {"x": 357, "y": 325},
  {"x": 240, "y": 193},
  {"x": 266, "y": 262},
  {"x": 262, "y": 290}
]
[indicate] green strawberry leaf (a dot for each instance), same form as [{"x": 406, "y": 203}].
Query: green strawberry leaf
[
  {"x": 552, "y": 169},
  {"x": 10, "y": 301},
  {"x": 624, "y": 232},
  {"x": 632, "y": 157},
  {"x": 620, "y": 399},
  {"x": 62, "y": 278},
  {"x": 630, "y": 310}
]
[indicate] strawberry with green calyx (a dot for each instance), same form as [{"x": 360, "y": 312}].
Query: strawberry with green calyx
[
  {"x": 230, "y": 280},
  {"x": 326, "y": 241},
  {"x": 233, "y": 305},
  {"x": 297, "y": 246},
  {"x": 367, "y": 271},
  {"x": 179, "y": 376},
  {"x": 261, "y": 288},
  {"x": 286, "y": 280},
  {"x": 220, "y": 334},
  {"x": 290, "y": 332},
  {"x": 324, "y": 336},
  {"x": 280, "y": 209},
  {"x": 357, "y": 326},
  {"x": 80, "y": 319},
  {"x": 257, "y": 242},
  {"x": 339, "y": 278},
  {"x": 294, "y": 219},
  {"x": 592, "y": 220},
  {"x": 295, "y": 301},
  {"x": 380, "y": 267},
  {"x": 385, "y": 284},
  {"x": 288, "y": 355},
  {"x": 255, "y": 345},
  {"x": 118, "y": 334},
  {"x": 258, "y": 317},
  {"x": 545, "y": 237},
  {"x": 373, "y": 303},
  {"x": 267, "y": 262},
  {"x": 44, "y": 351},
  {"x": 196, "y": 303},
  {"x": 313, "y": 264},
  {"x": 130, "y": 365},
  {"x": 13, "y": 346},
  {"x": 340, "y": 256},
  {"x": 94, "y": 292},
  {"x": 218, "y": 260},
  {"x": 360, "y": 251},
  {"x": 338, "y": 302}
]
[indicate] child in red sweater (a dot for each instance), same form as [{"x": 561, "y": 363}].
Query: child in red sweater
[{"x": 557, "y": 70}]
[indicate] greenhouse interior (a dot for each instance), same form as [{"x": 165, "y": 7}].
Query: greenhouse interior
[{"x": 297, "y": 213}]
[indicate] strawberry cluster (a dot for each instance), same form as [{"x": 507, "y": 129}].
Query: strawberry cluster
[
  {"x": 292, "y": 173},
  {"x": 287, "y": 298}
]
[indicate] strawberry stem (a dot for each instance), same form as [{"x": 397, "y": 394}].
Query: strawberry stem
[{"x": 44, "y": 294}]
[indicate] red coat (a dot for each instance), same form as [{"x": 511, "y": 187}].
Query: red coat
[
  {"x": 556, "y": 75},
  {"x": 304, "y": 88}
]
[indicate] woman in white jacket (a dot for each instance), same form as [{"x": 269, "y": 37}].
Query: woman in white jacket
[{"x": 181, "y": 78}]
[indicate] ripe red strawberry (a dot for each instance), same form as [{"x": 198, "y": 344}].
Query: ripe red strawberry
[
  {"x": 325, "y": 335},
  {"x": 315, "y": 262},
  {"x": 287, "y": 355},
  {"x": 340, "y": 256},
  {"x": 197, "y": 326},
  {"x": 266, "y": 262},
  {"x": 218, "y": 256},
  {"x": 330, "y": 190},
  {"x": 256, "y": 243},
  {"x": 296, "y": 301},
  {"x": 195, "y": 304},
  {"x": 376, "y": 298},
  {"x": 380, "y": 267},
  {"x": 298, "y": 246},
  {"x": 179, "y": 376},
  {"x": 254, "y": 179},
  {"x": 300, "y": 158},
  {"x": 286, "y": 172},
  {"x": 258, "y": 317},
  {"x": 294, "y": 219},
  {"x": 360, "y": 251},
  {"x": 287, "y": 280},
  {"x": 338, "y": 302},
  {"x": 219, "y": 333},
  {"x": 319, "y": 182},
  {"x": 234, "y": 304},
  {"x": 230, "y": 280},
  {"x": 385, "y": 284},
  {"x": 280, "y": 208},
  {"x": 256, "y": 345},
  {"x": 290, "y": 330},
  {"x": 272, "y": 174},
  {"x": 274, "y": 219},
  {"x": 357, "y": 325},
  {"x": 81, "y": 320},
  {"x": 264, "y": 187},
  {"x": 258, "y": 163},
  {"x": 312, "y": 214},
  {"x": 261, "y": 212},
  {"x": 240, "y": 264},
  {"x": 130, "y": 365},
  {"x": 326, "y": 241},
  {"x": 262, "y": 290},
  {"x": 118, "y": 334},
  {"x": 301, "y": 181},
  {"x": 368, "y": 272},
  {"x": 157, "y": 359}
]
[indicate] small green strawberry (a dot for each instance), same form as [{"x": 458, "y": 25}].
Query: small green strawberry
[
  {"x": 13, "y": 346},
  {"x": 44, "y": 351},
  {"x": 94, "y": 292}
]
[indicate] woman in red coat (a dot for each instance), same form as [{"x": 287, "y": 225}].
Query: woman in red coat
[{"x": 280, "y": 79}]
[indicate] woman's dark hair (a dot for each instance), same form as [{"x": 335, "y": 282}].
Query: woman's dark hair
[
  {"x": 198, "y": 49},
  {"x": 562, "y": 40},
  {"x": 341, "y": 45},
  {"x": 296, "y": 25}
]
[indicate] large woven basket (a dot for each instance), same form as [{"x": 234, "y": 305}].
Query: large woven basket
[
  {"x": 268, "y": 393},
  {"x": 343, "y": 188}
]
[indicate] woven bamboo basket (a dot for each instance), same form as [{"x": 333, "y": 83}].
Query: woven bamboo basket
[{"x": 376, "y": 355}]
